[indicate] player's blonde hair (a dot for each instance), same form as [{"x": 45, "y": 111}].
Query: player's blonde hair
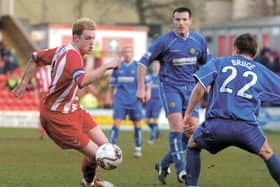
[{"x": 83, "y": 24}]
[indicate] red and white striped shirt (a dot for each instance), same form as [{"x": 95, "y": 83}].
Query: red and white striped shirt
[
  {"x": 67, "y": 71},
  {"x": 43, "y": 79}
]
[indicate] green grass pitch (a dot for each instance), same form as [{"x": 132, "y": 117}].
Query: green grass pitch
[{"x": 26, "y": 161}]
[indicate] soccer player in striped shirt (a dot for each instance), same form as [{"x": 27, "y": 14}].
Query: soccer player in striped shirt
[
  {"x": 65, "y": 122},
  {"x": 238, "y": 85}
]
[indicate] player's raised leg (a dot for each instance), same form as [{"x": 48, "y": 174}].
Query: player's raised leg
[
  {"x": 89, "y": 165},
  {"x": 271, "y": 160}
]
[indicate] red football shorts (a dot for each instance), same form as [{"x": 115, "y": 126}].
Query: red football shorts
[{"x": 69, "y": 131}]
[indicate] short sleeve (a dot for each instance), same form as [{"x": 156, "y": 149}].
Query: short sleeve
[
  {"x": 154, "y": 52},
  {"x": 207, "y": 73},
  {"x": 75, "y": 65},
  {"x": 44, "y": 57}
]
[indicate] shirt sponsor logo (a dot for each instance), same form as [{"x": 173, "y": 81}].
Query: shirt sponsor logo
[
  {"x": 126, "y": 79},
  {"x": 184, "y": 61},
  {"x": 175, "y": 50}
]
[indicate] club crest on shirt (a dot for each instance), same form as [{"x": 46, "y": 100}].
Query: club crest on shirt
[
  {"x": 132, "y": 72},
  {"x": 192, "y": 50},
  {"x": 172, "y": 104}
]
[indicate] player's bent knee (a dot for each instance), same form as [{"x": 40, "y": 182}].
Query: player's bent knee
[{"x": 266, "y": 152}]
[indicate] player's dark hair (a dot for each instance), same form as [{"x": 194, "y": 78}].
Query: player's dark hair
[
  {"x": 182, "y": 9},
  {"x": 246, "y": 44}
]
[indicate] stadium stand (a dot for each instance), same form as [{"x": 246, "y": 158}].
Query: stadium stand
[
  {"x": 9, "y": 102},
  {"x": 15, "y": 48}
]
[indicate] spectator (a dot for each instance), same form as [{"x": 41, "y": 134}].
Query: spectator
[
  {"x": 13, "y": 80},
  {"x": 11, "y": 61},
  {"x": 263, "y": 55},
  {"x": 2, "y": 66}
]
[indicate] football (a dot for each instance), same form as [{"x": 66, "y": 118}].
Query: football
[{"x": 109, "y": 156}]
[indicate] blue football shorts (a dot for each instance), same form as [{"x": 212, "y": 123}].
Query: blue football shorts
[
  {"x": 153, "y": 108},
  {"x": 134, "y": 111},
  {"x": 217, "y": 134},
  {"x": 175, "y": 98}
]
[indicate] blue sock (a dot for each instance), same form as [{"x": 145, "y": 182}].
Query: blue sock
[
  {"x": 193, "y": 166},
  {"x": 114, "y": 135},
  {"x": 157, "y": 132},
  {"x": 177, "y": 151},
  {"x": 153, "y": 131},
  {"x": 273, "y": 165},
  {"x": 138, "y": 137}
]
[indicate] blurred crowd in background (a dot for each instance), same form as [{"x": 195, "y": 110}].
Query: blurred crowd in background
[
  {"x": 9, "y": 67},
  {"x": 269, "y": 58}
]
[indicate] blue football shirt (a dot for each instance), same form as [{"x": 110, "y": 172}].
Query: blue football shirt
[
  {"x": 238, "y": 85},
  {"x": 124, "y": 80},
  {"x": 179, "y": 57}
]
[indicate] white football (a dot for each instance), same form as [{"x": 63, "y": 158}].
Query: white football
[{"x": 109, "y": 156}]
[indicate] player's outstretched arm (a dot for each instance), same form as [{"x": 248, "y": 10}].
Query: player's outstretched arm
[
  {"x": 196, "y": 95},
  {"x": 29, "y": 71},
  {"x": 94, "y": 75}
]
